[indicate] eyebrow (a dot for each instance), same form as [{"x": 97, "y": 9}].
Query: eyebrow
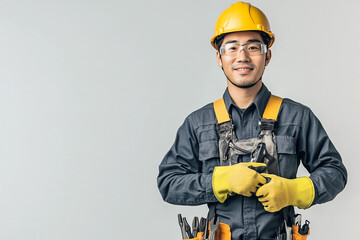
[{"x": 248, "y": 41}]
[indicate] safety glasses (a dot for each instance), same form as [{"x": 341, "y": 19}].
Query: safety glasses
[{"x": 232, "y": 49}]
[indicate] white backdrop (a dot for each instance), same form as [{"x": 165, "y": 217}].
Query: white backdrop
[{"x": 92, "y": 94}]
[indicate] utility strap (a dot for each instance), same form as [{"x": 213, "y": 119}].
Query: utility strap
[
  {"x": 221, "y": 112},
  {"x": 272, "y": 108},
  {"x": 271, "y": 111},
  {"x": 212, "y": 211}
]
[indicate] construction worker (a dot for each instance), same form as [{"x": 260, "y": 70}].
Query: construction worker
[{"x": 250, "y": 196}]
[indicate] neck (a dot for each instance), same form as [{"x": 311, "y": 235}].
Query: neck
[{"x": 243, "y": 97}]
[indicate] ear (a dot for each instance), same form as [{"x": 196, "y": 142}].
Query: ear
[
  {"x": 268, "y": 57},
  {"x": 218, "y": 59}
]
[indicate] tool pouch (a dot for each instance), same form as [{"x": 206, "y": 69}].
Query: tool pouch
[
  {"x": 223, "y": 233},
  {"x": 296, "y": 235},
  {"x": 200, "y": 236}
]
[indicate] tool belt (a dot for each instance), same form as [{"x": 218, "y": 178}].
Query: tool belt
[
  {"x": 223, "y": 233},
  {"x": 261, "y": 149},
  {"x": 207, "y": 228}
]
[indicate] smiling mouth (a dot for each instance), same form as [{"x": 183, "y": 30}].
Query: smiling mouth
[{"x": 243, "y": 70}]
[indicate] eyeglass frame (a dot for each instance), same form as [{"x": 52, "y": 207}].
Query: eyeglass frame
[{"x": 263, "y": 47}]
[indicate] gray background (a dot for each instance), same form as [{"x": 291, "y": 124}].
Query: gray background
[{"x": 92, "y": 93}]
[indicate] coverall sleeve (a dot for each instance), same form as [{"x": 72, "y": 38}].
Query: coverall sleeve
[
  {"x": 321, "y": 159},
  {"x": 180, "y": 178}
]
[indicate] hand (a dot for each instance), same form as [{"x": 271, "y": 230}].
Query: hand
[
  {"x": 282, "y": 192},
  {"x": 240, "y": 178}
]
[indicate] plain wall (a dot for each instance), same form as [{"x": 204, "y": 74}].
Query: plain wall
[{"x": 93, "y": 92}]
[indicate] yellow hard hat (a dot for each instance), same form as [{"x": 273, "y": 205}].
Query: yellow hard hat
[{"x": 239, "y": 17}]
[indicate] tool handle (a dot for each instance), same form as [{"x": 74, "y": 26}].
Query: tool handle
[
  {"x": 202, "y": 224},
  {"x": 187, "y": 228},
  {"x": 182, "y": 229},
  {"x": 304, "y": 230},
  {"x": 195, "y": 226},
  {"x": 258, "y": 154}
]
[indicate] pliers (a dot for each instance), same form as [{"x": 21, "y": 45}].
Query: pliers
[
  {"x": 195, "y": 226},
  {"x": 182, "y": 227},
  {"x": 185, "y": 228}
]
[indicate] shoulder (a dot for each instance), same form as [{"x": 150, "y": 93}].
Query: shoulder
[
  {"x": 292, "y": 112},
  {"x": 295, "y": 106},
  {"x": 202, "y": 116}
]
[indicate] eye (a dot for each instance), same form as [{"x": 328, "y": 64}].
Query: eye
[
  {"x": 253, "y": 47},
  {"x": 232, "y": 47}
]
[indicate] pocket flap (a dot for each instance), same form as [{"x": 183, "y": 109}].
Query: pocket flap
[
  {"x": 208, "y": 150},
  {"x": 286, "y": 144}
]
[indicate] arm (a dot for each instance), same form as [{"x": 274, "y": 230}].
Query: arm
[
  {"x": 180, "y": 180},
  {"x": 321, "y": 159},
  {"x": 327, "y": 173}
]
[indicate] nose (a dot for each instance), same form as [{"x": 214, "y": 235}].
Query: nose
[{"x": 243, "y": 56}]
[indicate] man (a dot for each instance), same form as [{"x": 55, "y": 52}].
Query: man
[{"x": 212, "y": 164}]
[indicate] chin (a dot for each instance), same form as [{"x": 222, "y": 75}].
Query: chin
[{"x": 245, "y": 83}]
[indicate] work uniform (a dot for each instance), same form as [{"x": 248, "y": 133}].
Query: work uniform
[{"x": 185, "y": 174}]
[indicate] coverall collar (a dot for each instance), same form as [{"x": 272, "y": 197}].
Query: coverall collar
[{"x": 260, "y": 101}]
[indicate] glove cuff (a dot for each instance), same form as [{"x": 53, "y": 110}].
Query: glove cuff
[
  {"x": 220, "y": 183},
  {"x": 303, "y": 192}
]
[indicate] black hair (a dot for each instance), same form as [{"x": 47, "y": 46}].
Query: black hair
[{"x": 219, "y": 39}]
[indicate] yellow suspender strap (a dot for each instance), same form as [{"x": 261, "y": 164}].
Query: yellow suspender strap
[
  {"x": 220, "y": 111},
  {"x": 271, "y": 110}
]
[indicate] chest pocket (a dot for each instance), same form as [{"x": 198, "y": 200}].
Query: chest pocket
[
  {"x": 209, "y": 155},
  {"x": 287, "y": 154}
]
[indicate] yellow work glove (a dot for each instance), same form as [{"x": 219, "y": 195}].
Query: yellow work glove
[
  {"x": 240, "y": 178},
  {"x": 282, "y": 192}
]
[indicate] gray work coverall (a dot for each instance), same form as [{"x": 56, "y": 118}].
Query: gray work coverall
[{"x": 185, "y": 174}]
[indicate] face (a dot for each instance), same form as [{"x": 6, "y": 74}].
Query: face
[{"x": 243, "y": 70}]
